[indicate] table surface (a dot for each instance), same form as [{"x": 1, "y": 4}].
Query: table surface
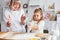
[{"x": 15, "y": 35}]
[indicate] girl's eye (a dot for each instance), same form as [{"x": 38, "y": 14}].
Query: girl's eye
[{"x": 37, "y": 15}]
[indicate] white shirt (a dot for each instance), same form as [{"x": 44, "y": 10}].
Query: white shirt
[
  {"x": 40, "y": 26},
  {"x": 15, "y": 22}
]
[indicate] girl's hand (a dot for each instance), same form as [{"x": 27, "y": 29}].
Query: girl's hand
[
  {"x": 9, "y": 21},
  {"x": 33, "y": 27},
  {"x": 8, "y": 24},
  {"x": 23, "y": 18},
  {"x": 29, "y": 28}
]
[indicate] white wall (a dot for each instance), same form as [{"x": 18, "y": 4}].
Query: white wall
[{"x": 57, "y": 5}]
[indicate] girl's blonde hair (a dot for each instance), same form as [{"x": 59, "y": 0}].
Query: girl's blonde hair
[
  {"x": 39, "y": 10},
  {"x": 13, "y": 2}
]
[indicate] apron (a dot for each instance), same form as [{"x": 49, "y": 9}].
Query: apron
[{"x": 15, "y": 22}]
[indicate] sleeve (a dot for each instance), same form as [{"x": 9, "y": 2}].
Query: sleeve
[
  {"x": 42, "y": 24},
  {"x": 22, "y": 13},
  {"x": 5, "y": 15},
  {"x": 29, "y": 28},
  {"x": 31, "y": 23}
]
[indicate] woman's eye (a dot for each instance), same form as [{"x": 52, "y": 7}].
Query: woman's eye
[{"x": 34, "y": 16}]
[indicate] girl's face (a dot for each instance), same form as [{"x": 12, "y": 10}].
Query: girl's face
[
  {"x": 15, "y": 6},
  {"x": 37, "y": 16}
]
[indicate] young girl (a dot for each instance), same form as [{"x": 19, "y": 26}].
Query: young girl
[
  {"x": 14, "y": 17},
  {"x": 37, "y": 23}
]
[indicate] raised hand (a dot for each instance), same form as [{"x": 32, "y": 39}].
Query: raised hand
[
  {"x": 9, "y": 21},
  {"x": 23, "y": 18}
]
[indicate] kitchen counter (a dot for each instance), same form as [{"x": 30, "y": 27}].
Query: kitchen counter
[{"x": 22, "y": 36}]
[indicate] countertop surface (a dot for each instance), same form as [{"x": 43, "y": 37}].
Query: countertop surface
[{"x": 14, "y": 35}]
